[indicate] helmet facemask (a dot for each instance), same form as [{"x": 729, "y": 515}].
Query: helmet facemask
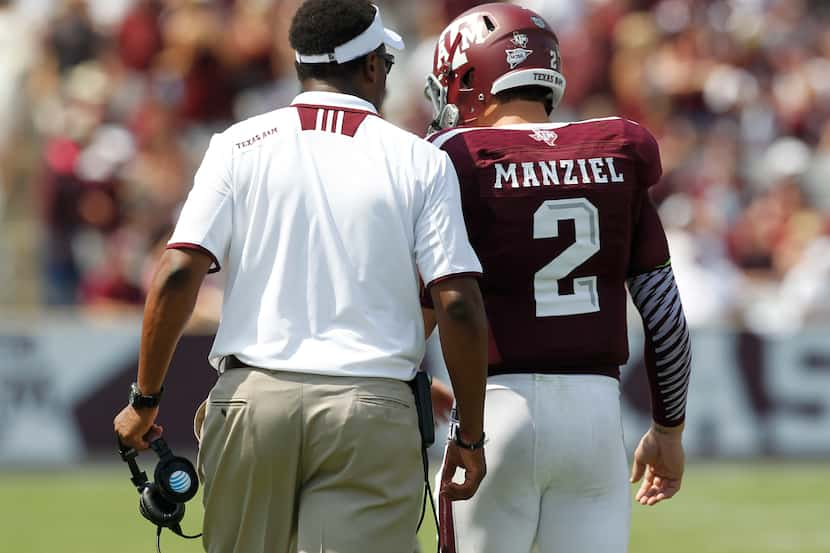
[{"x": 444, "y": 115}]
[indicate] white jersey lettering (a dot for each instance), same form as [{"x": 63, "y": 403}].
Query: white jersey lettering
[{"x": 502, "y": 175}]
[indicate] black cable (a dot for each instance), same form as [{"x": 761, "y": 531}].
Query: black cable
[
  {"x": 427, "y": 489},
  {"x": 176, "y": 530},
  {"x": 428, "y": 494},
  {"x": 434, "y": 517},
  {"x": 423, "y": 509}
]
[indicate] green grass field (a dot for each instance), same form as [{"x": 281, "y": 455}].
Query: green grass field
[{"x": 723, "y": 508}]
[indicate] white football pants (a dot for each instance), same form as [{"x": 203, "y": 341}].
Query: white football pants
[{"x": 557, "y": 475}]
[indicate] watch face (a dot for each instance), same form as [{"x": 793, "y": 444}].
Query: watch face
[{"x": 138, "y": 400}]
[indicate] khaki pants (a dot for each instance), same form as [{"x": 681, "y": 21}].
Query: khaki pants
[{"x": 308, "y": 463}]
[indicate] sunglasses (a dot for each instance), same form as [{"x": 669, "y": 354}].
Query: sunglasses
[{"x": 389, "y": 60}]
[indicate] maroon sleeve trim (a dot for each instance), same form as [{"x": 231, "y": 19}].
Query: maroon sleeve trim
[
  {"x": 473, "y": 274},
  {"x": 215, "y": 267}
]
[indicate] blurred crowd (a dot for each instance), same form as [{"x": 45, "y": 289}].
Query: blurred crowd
[{"x": 106, "y": 107}]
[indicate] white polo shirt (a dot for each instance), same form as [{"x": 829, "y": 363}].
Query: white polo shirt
[{"x": 325, "y": 215}]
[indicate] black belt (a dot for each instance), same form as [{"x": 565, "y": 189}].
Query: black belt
[
  {"x": 233, "y": 362},
  {"x": 420, "y": 387}
]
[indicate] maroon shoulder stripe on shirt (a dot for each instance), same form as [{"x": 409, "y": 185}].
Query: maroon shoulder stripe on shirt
[
  {"x": 352, "y": 122},
  {"x": 331, "y": 119},
  {"x": 215, "y": 267},
  {"x": 308, "y": 118}
]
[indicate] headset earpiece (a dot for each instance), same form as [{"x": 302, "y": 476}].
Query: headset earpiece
[
  {"x": 158, "y": 510},
  {"x": 174, "y": 476},
  {"x": 176, "y": 479}
]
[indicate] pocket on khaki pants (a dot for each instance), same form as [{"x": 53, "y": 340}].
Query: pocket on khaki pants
[{"x": 199, "y": 421}]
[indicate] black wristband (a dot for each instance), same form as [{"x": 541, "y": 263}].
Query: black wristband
[
  {"x": 472, "y": 447},
  {"x": 143, "y": 401},
  {"x": 455, "y": 436}
]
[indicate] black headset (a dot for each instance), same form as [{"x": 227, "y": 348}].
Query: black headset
[{"x": 175, "y": 482}]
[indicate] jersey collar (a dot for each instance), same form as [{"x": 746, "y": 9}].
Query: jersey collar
[{"x": 334, "y": 100}]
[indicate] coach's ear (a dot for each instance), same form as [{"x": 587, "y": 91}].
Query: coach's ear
[
  {"x": 374, "y": 79},
  {"x": 373, "y": 68}
]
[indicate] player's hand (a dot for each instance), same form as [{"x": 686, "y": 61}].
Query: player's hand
[
  {"x": 136, "y": 428},
  {"x": 475, "y": 468},
  {"x": 659, "y": 461},
  {"x": 442, "y": 400}
]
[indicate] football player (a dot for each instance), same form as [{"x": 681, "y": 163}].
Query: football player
[{"x": 561, "y": 218}]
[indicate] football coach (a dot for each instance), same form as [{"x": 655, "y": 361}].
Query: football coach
[{"x": 323, "y": 216}]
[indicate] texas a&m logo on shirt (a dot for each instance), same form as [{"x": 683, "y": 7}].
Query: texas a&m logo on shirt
[{"x": 547, "y": 136}]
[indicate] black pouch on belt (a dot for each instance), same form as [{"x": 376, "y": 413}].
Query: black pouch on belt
[{"x": 423, "y": 403}]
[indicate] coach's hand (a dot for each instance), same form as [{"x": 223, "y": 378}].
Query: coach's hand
[
  {"x": 474, "y": 467},
  {"x": 659, "y": 458},
  {"x": 136, "y": 427}
]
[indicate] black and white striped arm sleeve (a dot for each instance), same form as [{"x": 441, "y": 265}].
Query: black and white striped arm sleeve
[{"x": 668, "y": 352}]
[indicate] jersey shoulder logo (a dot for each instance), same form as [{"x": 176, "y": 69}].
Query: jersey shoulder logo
[{"x": 547, "y": 136}]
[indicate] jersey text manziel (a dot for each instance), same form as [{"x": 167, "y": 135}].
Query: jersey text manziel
[{"x": 556, "y": 172}]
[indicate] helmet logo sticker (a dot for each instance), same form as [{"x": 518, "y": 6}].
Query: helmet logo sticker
[
  {"x": 538, "y": 21},
  {"x": 519, "y": 39},
  {"x": 545, "y": 135},
  {"x": 456, "y": 39},
  {"x": 519, "y": 54}
]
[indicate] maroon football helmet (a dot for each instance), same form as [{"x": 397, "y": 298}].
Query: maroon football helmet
[{"x": 487, "y": 50}]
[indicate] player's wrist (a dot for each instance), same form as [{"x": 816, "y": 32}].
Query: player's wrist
[
  {"x": 468, "y": 442},
  {"x": 469, "y": 436},
  {"x": 672, "y": 432},
  {"x": 468, "y": 439}
]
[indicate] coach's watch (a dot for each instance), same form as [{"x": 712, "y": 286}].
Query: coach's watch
[
  {"x": 456, "y": 437},
  {"x": 143, "y": 401}
]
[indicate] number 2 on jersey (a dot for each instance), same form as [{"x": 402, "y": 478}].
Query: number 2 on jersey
[{"x": 585, "y": 298}]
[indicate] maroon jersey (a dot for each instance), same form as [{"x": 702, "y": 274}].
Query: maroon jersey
[{"x": 560, "y": 217}]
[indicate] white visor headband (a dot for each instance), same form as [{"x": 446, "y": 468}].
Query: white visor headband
[{"x": 362, "y": 44}]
